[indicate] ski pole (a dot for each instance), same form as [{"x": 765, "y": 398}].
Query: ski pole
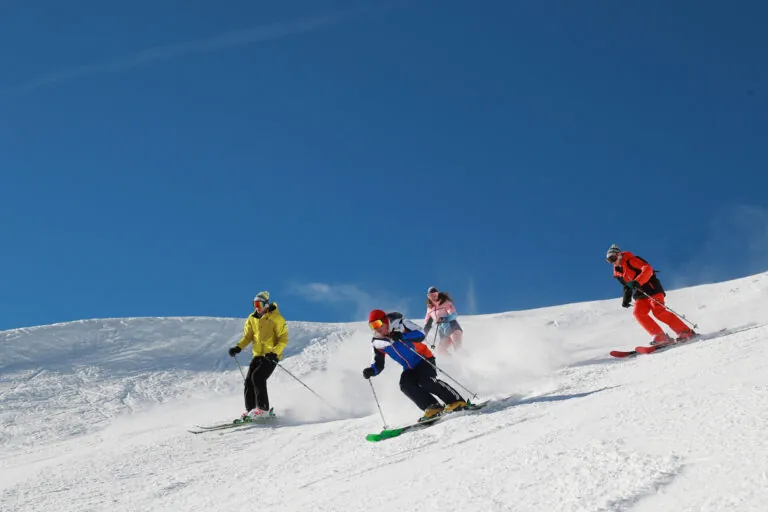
[
  {"x": 434, "y": 339},
  {"x": 437, "y": 368},
  {"x": 238, "y": 365},
  {"x": 309, "y": 388},
  {"x": 377, "y": 404},
  {"x": 668, "y": 309}
]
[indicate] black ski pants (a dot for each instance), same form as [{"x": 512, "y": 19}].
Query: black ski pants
[
  {"x": 420, "y": 384},
  {"x": 256, "y": 383}
]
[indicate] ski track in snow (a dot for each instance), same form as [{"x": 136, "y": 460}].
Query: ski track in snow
[{"x": 93, "y": 416}]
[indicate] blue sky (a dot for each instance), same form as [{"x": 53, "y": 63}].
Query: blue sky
[{"x": 174, "y": 158}]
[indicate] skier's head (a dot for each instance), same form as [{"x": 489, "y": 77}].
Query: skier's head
[
  {"x": 613, "y": 255},
  {"x": 434, "y": 296},
  {"x": 378, "y": 322},
  {"x": 261, "y": 302}
]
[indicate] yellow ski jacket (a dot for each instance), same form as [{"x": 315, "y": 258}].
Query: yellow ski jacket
[{"x": 268, "y": 333}]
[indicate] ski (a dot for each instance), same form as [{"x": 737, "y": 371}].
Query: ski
[
  {"x": 216, "y": 428},
  {"x": 394, "y": 432},
  {"x": 650, "y": 349},
  {"x": 200, "y": 429},
  {"x": 620, "y": 353}
]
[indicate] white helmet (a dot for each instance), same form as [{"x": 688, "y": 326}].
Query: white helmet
[{"x": 613, "y": 253}]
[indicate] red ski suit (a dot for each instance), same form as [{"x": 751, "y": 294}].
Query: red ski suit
[{"x": 634, "y": 268}]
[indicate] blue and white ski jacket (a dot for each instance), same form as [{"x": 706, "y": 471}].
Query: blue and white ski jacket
[{"x": 408, "y": 351}]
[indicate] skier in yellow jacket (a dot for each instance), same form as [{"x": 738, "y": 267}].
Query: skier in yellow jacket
[{"x": 266, "y": 330}]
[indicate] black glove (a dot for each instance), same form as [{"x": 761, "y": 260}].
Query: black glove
[
  {"x": 632, "y": 285},
  {"x": 234, "y": 351},
  {"x": 272, "y": 358},
  {"x": 368, "y": 372},
  {"x": 395, "y": 336}
]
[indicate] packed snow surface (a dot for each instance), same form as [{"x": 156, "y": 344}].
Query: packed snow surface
[{"x": 94, "y": 416}]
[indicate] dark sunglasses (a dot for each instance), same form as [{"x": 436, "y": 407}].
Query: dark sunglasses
[{"x": 612, "y": 258}]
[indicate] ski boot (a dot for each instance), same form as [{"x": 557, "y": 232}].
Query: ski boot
[
  {"x": 661, "y": 339},
  {"x": 253, "y": 414},
  {"x": 242, "y": 418},
  {"x": 458, "y": 405},
  {"x": 431, "y": 413}
]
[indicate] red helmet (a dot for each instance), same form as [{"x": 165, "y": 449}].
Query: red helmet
[{"x": 377, "y": 318}]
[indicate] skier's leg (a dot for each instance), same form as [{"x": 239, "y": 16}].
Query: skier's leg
[
  {"x": 444, "y": 345},
  {"x": 409, "y": 385},
  {"x": 428, "y": 381},
  {"x": 457, "y": 336},
  {"x": 666, "y": 316},
  {"x": 249, "y": 391},
  {"x": 259, "y": 380},
  {"x": 642, "y": 315}
]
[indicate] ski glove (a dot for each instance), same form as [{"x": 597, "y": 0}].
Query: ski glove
[
  {"x": 368, "y": 372},
  {"x": 395, "y": 336},
  {"x": 632, "y": 285},
  {"x": 234, "y": 351},
  {"x": 272, "y": 358}
]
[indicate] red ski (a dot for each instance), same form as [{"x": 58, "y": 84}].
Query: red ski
[{"x": 650, "y": 349}]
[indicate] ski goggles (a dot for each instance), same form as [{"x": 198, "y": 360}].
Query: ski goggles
[
  {"x": 376, "y": 324},
  {"x": 258, "y": 304},
  {"x": 611, "y": 258}
]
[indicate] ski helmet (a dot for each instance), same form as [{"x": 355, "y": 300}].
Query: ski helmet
[
  {"x": 613, "y": 252},
  {"x": 377, "y": 314},
  {"x": 377, "y": 318},
  {"x": 431, "y": 289},
  {"x": 261, "y": 297}
]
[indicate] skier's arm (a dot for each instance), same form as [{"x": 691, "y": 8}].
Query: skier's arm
[
  {"x": 428, "y": 325},
  {"x": 646, "y": 270},
  {"x": 281, "y": 335},
  {"x": 413, "y": 333},
  {"x": 378, "y": 361},
  {"x": 247, "y": 335},
  {"x": 414, "y": 336},
  {"x": 626, "y": 298}
]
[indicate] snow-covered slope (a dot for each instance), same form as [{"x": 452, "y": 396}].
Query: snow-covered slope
[{"x": 93, "y": 416}]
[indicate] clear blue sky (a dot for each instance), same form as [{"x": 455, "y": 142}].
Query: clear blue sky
[{"x": 174, "y": 158}]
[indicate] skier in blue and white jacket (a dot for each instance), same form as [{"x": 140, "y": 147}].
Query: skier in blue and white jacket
[{"x": 402, "y": 340}]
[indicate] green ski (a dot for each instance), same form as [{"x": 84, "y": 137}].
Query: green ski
[{"x": 394, "y": 432}]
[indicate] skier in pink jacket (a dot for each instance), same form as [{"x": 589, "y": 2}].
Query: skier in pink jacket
[{"x": 440, "y": 310}]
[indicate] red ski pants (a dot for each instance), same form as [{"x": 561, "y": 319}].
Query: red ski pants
[{"x": 645, "y": 306}]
